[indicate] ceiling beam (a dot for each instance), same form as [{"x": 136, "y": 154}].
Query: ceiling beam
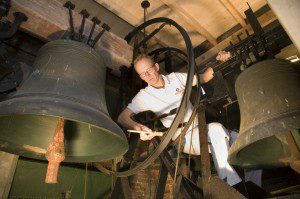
[
  {"x": 203, "y": 47},
  {"x": 233, "y": 11},
  {"x": 190, "y": 20},
  {"x": 264, "y": 20},
  {"x": 288, "y": 14},
  {"x": 49, "y": 20}
]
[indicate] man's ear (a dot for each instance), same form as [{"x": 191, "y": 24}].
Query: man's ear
[{"x": 156, "y": 66}]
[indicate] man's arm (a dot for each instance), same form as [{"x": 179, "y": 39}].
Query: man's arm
[
  {"x": 125, "y": 119},
  {"x": 209, "y": 72},
  {"x": 207, "y": 75}
]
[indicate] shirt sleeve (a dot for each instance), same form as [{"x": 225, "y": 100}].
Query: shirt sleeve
[
  {"x": 137, "y": 104},
  {"x": 182, "y": 77}
]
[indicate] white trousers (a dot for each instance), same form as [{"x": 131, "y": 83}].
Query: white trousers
[{"x": 219, "y": 140}]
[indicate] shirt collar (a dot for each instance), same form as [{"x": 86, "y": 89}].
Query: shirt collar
[{"x": 166, "y": 80}]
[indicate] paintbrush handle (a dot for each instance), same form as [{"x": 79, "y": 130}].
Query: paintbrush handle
[{"x": 154, "y": 132}]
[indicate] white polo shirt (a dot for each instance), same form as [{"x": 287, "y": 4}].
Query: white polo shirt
[{"x": 163, "y": 100}]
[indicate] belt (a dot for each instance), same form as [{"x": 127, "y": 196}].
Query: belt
[{"x": 181, "y": 125}]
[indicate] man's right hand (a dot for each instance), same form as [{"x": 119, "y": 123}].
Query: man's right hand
[{"x": 144, "y": 136}]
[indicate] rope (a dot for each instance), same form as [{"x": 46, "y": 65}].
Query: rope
[
  {"x": 148, "y": 171},
  {"x": 71, "y": 186},
  {"x": 179, "y": 144},
  {"x": 177, "y": 161},
  {"x": 112, "y": 177},
  {"x": 191, "y": 143},
  {"x": 85, "y": 180},
  {"x": 189, "y": 161}
]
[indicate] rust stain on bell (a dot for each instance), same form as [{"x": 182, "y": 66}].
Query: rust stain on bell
[{"x": 55, "y": 153}]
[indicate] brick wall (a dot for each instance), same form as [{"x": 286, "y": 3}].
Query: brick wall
[{"x": 144, "y": 184}]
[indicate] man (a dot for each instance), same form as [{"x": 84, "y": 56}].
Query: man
[{"x": 163, "y": 94}]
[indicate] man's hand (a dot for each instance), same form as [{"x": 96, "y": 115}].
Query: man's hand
[
  {"x": 223, "y": 56},
  {"x": 144, "y": 136}
]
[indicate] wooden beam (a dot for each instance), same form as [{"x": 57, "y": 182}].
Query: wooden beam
[
  {"x": 264, "y": 20},
  {"x": 161, "y": 185},
  {"x": 233, "y": 11},
  {"x": 190, "y": 20},
  {"x": 204, "y": 158},
  {"x": 8, "y": 164},
  {"x": 288, "y": 14},
  {"x": 49, "y": 20}
]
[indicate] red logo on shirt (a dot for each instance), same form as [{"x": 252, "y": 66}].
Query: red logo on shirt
[{"x": 178, "y": 91}]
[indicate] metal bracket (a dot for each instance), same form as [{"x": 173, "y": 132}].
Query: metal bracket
[
  {"x": 95, "y": 21},
  {"x": 19, "y": 18},
  {"x": 85, "y": 15},
  {"x": 105, "y": 27},
  {"x": 4, "y": 8},
  {"x": 70, "y": 7}
]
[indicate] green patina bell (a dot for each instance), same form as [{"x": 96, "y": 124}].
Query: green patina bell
[
  {"x": 269, "y": 98},
  {"x": 68, "y": 82}
]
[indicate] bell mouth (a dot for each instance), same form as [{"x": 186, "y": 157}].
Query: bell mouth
[
  {"x": 30, "y": 136},
  {"x": 268, "y": 94},
  {"x": 68, "y": 82},
  {"x": 250, "y": 156},
  {"x": 28, "y": 125},
  {"x": 267, "y": 141}
]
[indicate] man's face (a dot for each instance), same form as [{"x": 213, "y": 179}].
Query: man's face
[{"x": 147, "y": 71}]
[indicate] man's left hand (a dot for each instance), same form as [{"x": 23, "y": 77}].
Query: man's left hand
[{"x": 223, "y": 56}]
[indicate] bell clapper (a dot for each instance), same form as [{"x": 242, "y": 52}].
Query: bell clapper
[{"x": 56, "y": 152}]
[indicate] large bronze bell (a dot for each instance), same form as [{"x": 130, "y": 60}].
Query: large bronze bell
[
  {"x": 68, "y": 82},
  {"x": 269, "y": 98}
]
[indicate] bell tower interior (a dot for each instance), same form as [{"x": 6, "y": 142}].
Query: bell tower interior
[{"x": 119, "y": 99}]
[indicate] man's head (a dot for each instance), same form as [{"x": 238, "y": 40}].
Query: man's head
[{"x": 147, "y": 69}]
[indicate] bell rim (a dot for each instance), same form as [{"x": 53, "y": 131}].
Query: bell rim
[
  {"x": 18, "y": 104},
  {"x": 243, "y": 140},
  {"x": 68, "y": 159},
  {"x": 63, "y": 103}
]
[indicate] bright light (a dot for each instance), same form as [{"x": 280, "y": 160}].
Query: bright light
[{"x": 293, "y": 58}]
